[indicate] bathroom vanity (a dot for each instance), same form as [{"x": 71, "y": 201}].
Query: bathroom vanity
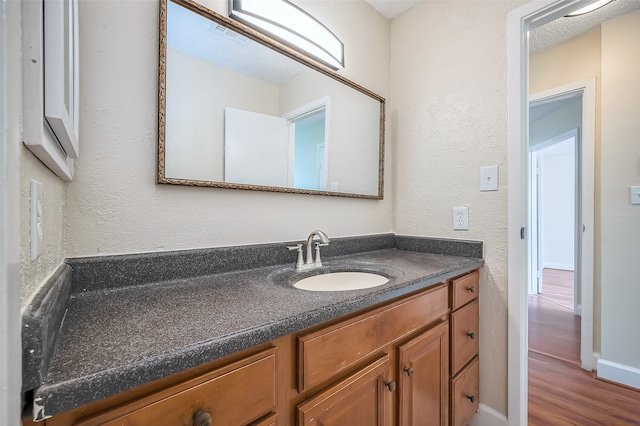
[{"x": 275, "y": 355}]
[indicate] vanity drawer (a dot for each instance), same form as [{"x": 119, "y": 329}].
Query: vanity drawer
[
  {"x": 464, "y": 394},
  {"x": 464, "y": 336},
  {"x": 241, "y": 393},
  {"x": 465, "y": 289},
  {"x": 328, "y": 351}
]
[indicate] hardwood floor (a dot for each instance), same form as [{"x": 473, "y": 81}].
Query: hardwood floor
[
  {"x": 560, "y": 391},
  {"x": 553, "y": 330},
  {"x": 557, "y": 286}
]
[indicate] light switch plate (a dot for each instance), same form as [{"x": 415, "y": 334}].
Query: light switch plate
[
  {"x": 461, "y": 218},
  {"x": 489, "y": 178},
  {"x": 635, "y": 195}
]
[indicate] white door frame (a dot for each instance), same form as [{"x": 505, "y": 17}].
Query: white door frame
[
  {"x": 10, "y": 324},
  {"x": 535, "y": 273},
  {"x": 519, "y": 22}
]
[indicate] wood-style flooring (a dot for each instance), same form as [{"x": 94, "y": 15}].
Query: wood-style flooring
[
  {"x": 557, "y": 286},
  {"x": 553, "y": 330},
  {"x": 560, "y": 391}
]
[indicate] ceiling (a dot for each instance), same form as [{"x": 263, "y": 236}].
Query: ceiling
[
  {"x": 555, "y": 32},
  {"x": 564, "y": 29}
]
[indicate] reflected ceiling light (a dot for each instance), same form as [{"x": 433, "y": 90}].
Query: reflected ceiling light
[
  {"x": 292, "y": 26},
  {"x": 593, "y": 6}
]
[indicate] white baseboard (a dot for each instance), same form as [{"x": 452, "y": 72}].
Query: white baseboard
[
  {"x": 619, "y": 373},
  {"x": 561, "y": 266},
  {"x": 596, "y": 360},
  {"x": 487, "y": 416}
]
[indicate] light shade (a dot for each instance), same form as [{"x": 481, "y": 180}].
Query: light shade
[
  {"x": 593, "y": 6},
  {"x": 292, "y": 26}
]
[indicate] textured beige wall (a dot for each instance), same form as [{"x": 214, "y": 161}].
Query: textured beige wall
[
  {"x": 114, "y": 205},
  {"x": 620, "y": 168},
  {"x": 449, "y": 117},
  {"x": 569, "y": 62}
]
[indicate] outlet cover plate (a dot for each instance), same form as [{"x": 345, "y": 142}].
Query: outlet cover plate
[{"x": 461, "y": 218}]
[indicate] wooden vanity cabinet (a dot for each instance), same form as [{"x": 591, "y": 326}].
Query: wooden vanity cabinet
[
  {"x": 408, "y": 362},
  {"x": 407, "y": 383}
]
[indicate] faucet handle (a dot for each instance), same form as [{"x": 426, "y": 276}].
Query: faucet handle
[
  {"x": 299, "y": 260},
  {"x": 318, "y": 261}
]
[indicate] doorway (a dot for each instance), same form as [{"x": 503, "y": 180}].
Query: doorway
[
  {"x": 562, "y": 140},
  {"x": 554, "y": 215},
  {"x": 309, "y": 145},
  {"x": 520, "y": 22},
  {"x": 554, "y": 187}
]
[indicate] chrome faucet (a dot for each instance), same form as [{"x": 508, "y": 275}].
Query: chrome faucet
[{"x": 309, "y": 262}]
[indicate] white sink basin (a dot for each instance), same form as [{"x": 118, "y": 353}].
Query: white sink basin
[{"x": 341, "y": 281}]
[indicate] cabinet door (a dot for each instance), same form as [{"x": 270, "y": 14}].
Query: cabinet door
[
  {"x": 424, "y": 379},
  {"x": 361, "y": 399}
]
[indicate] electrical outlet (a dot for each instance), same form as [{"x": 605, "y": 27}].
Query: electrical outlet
[
  {"x": 461, "y": 218},
  {"x": 36, "y": 230}
]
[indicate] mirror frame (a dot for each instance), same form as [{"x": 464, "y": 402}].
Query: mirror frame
[{"x": 279, "y": 48}]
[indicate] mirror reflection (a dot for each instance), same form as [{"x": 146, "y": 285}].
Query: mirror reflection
[{"x": 239, "y": 114}]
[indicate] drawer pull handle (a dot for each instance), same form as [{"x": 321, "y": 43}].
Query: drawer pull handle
[
  {"x": 471, "y": 289},
  {"x": 202, "y": 418},
  {"x": 391, "y": 385},
  {"x": 409, "y": 371},
  {"x": 471, "y": 398},
  {"x": 471, "y": 335}
]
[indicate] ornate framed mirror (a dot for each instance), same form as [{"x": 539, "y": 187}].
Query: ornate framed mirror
[{"x": 240, "y": 110}]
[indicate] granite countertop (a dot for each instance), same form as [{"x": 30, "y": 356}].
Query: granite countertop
[{"x": 116, "y": 338}]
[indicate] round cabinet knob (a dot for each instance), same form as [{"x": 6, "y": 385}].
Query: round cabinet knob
[
  {"x": 471, "y": 398},
  {"x": 471, "y": 335},
  {"x": 409, "y": 371},
  {"x": 202, "y": 418},
  {"x": 391, "y": 385},
  {"x": 471, "y": 289}
]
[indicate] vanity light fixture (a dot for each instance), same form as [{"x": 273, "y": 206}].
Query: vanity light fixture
[
  {"x": 292, "y": 26},
  {"x": 590, "y": 8}
]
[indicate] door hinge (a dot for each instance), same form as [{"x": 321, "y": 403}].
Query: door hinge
[{"x": 522, "y": 233}]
